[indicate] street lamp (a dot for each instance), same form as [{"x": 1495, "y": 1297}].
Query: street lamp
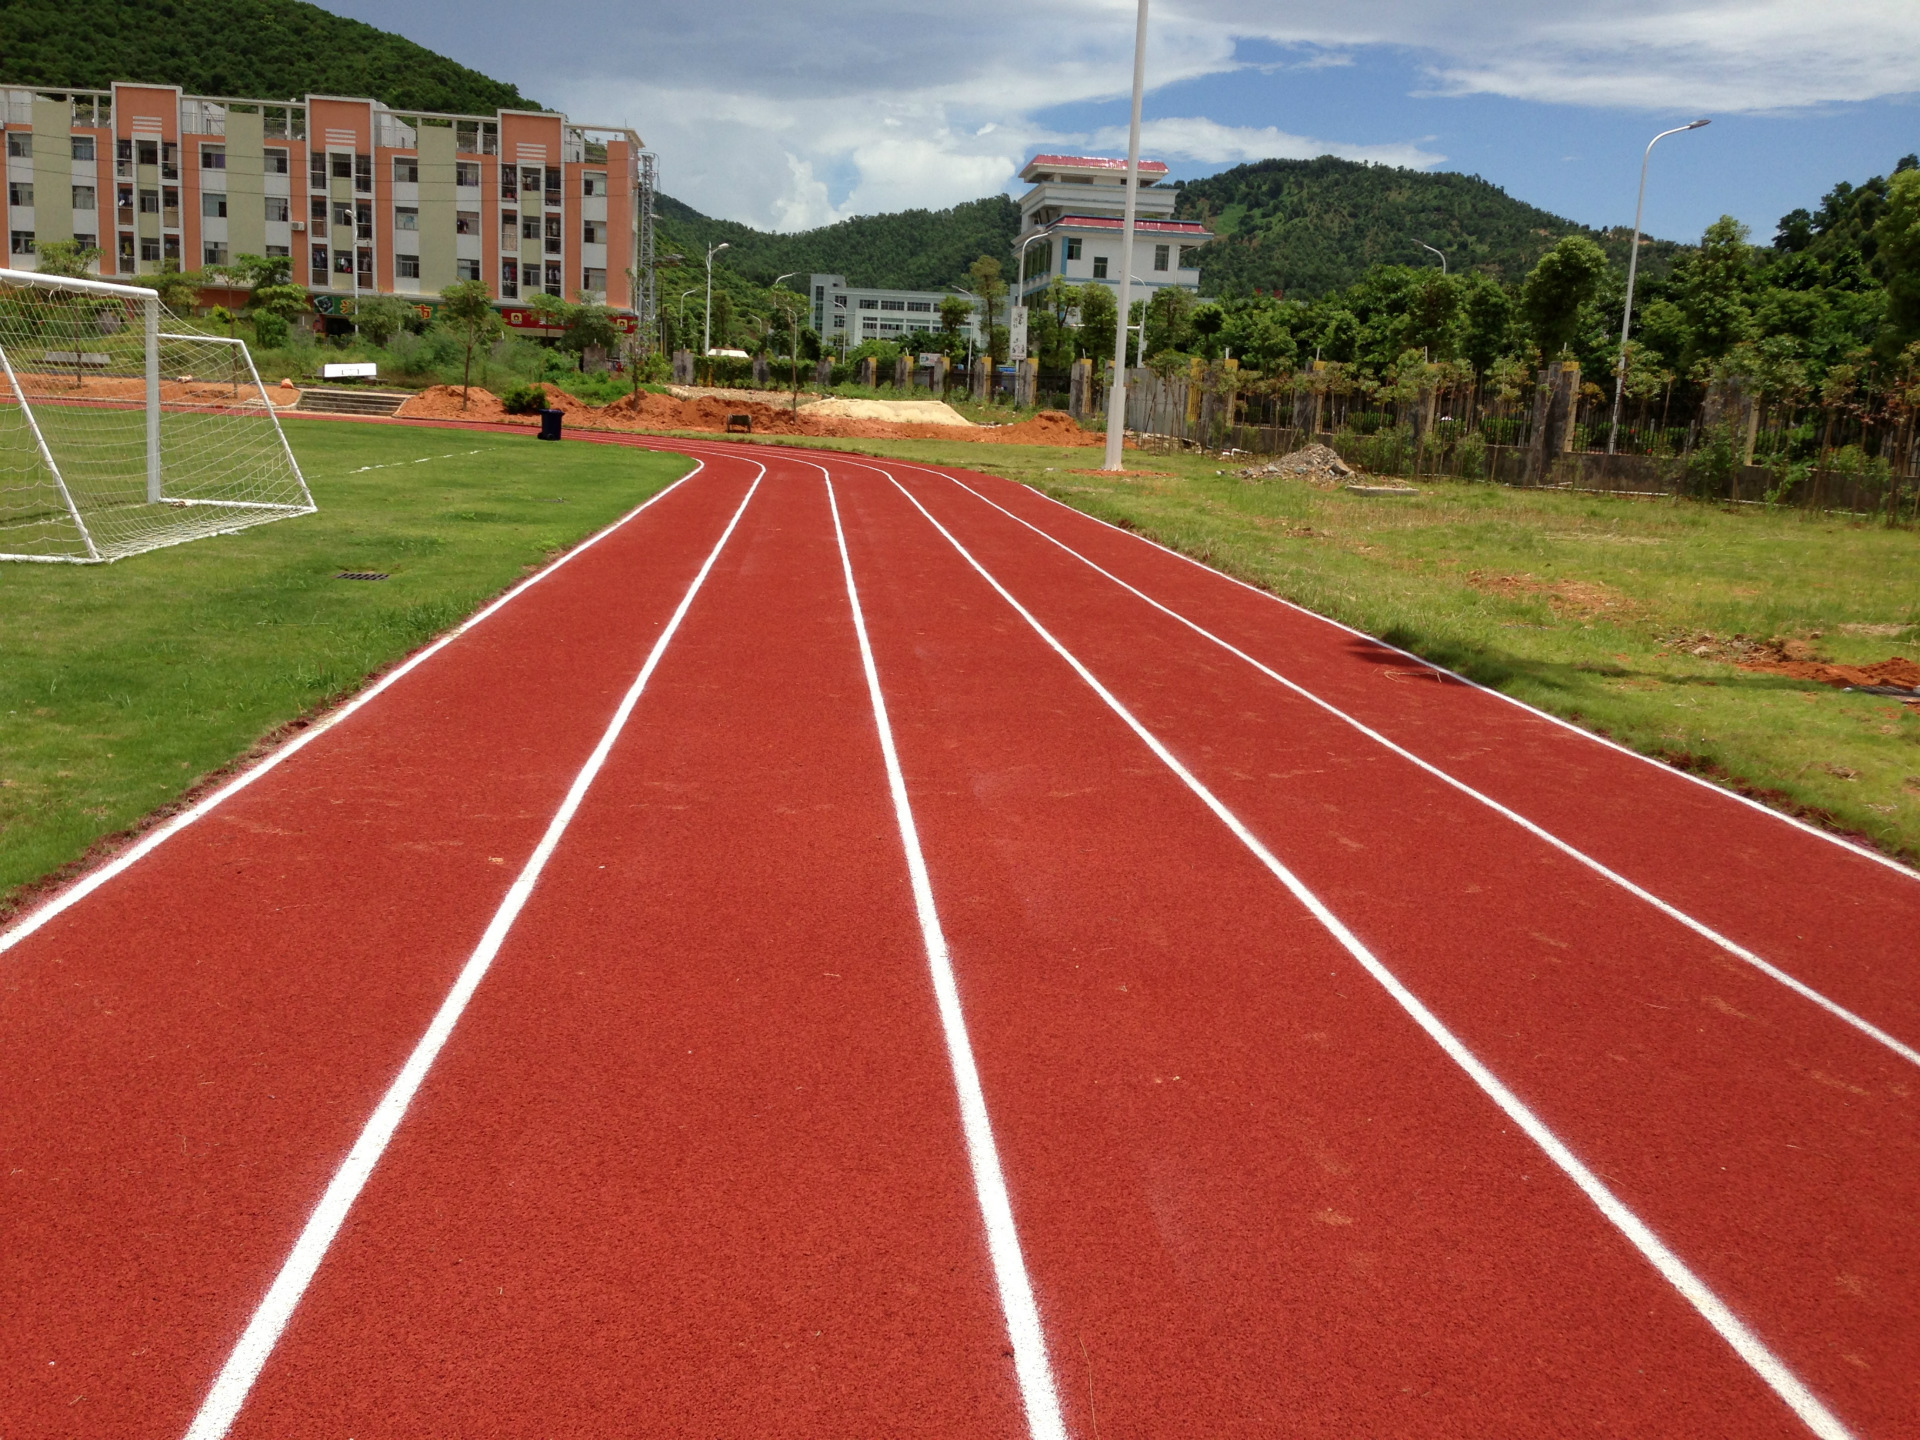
[
  {"x": 683, "y": 308},
  {"x": 1443, "y": 259},
  {"x": 1117, "y": 401},
  {"x": 1633, "y": 267},
  {"x": 706, "y": 321}
]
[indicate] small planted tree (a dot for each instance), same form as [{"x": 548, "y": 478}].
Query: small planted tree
[
  {"x": 381, "y": 317},
  {"x": 466, "y": 309}
]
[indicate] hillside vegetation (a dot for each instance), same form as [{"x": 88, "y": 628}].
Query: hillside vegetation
[
  {"x": 265, "y": 49},
  {"x": 1310, "y": 227}
]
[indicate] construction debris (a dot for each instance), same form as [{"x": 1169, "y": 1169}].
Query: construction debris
[{"x": 1316, "y": 464}]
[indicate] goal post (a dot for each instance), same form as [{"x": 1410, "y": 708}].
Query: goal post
[{"x": 122, "y": 430}]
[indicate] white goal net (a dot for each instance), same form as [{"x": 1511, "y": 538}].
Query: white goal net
[{"x": 121, "y": 431}]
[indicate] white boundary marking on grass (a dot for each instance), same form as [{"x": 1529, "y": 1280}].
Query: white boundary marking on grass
[
  {"x": 1037, "y": 1392},
  {"x": 1739, "y": 952},
  {"x": 150, "y": 842},
  {"x": 1745, "y": 1343},
  {"x": 236, "y": 1378},
  {"x": 1845, "y": 844}
]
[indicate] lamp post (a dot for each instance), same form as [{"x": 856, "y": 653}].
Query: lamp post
[
  {"x": 793, "y": 340},
  {"x": 706, "y": 320},
  {"x": 1633, "y": 268},
  {"x": 1443, "y": 259},
  {"x": 683, "y": 311},
  {"x": 1117, "y": 401}
]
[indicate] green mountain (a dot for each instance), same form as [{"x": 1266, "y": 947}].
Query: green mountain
[
  {"x": 908, "y": 250},
  {"x": 264, "y": 49},
  {"x": 1310, "y": 227}
]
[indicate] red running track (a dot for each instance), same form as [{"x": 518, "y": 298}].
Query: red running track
[{"x": 1326, "y": 1097}]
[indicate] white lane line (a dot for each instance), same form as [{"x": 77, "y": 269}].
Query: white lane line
[
  {"x": 152, "y": 841},
  {"x": 236, "y": 1378},
  {"x": 1022, "y": 1313},
  {"x": 1667, "y": 770},
  {"x": 1738, "y": 951},
  {"x": 1774, "y": 1371}
]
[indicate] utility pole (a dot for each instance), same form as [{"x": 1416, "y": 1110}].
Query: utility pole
[
  {"x": 1442, "y": 254},
  {"x": 706, "y": 321},
  {"x": 1633, "y": 268},
  {"x": 1117, "y": 400}
]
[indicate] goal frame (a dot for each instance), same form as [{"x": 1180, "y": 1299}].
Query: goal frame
[{"x": 152, "y": 336}]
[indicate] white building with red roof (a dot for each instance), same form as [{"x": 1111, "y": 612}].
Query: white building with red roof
[{"x": 1070, "y": 225}]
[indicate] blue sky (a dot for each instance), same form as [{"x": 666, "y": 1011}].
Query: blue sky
[{"x": 785, "y": 116}]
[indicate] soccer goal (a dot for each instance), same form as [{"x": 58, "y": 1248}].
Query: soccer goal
[{"x": 120, "y": 432}]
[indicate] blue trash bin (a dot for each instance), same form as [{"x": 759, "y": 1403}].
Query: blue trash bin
[{"x": 550, "y": 424}]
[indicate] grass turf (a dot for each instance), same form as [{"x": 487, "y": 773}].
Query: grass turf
[
  {"x": 1591, "y": 607},
  {"x": 123, "y": 685}
]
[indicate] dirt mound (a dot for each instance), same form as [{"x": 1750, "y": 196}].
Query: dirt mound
[
  {"x": 442, "y": 402},
  {"x": 1316, "y": 464},
  {"x": 1583, "y": 599},
  {"x": 1797, "y": 658},
  {"x": 895, "y": 412},
  {"x": 1049, "y": 427}
]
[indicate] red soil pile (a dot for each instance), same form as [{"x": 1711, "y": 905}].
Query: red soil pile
[
  {"x": 1896, "y": 671},
  {"x": 442, "y": 402}
]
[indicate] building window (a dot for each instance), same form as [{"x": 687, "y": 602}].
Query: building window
[
  {"x": 466, "y": 172},
  {"x": 85, "y": 197},
  {"x": 593, "y": 182},
  {"x": 553, "y": 279},
  {"x": 509, "y": 190},
  {"x": 276, "y": 162},
  {"x": 169, "y": 160},
  {"x": 213, "y": 252},
  {"x": 925, "y": 306},
  {"x": 342, "y": 213},
  {"x": 553, "y": 234},
  {"x": 869, "y": 304},
  {"x": 1099, "y": 267},
  {"x": 529, "y": 227},
  {"x": 123, "y": 159},
  {"x": 83, "y": 148},
  {"x": 553, "y": 184},
  {"x": 20, "y": 144},
  {"x": 363, "y": 174},
  {"x": 466, "y": 222},
  {"x": 530, "y": 179},
  {"x": 320, "y": 265},
  {"x": 317, "y": 209},
  {"x": 406, "y": 217},
  {"x": 279, "y": 208},
  {"x": 1073, "y": 247},
  {"x": 509, "y": 229},
  {"x": 363, "y": 221},
  {"x": 594, "y": 232},
  {"x": 149, "y": 248},
  {"x": 406, "y": 170},
  {"x": 316, "y": 170},
  {"x": 839, "y": 322},
  {"x": 1161, "y": 254},
  {"x": 170, "y": 247},
  {"x": 341, "y": 166},
  {"x": 893, "y": 304},
  {"x": 343, "y": 262},
  {"x": 213, "y": 157},
  {"x": 509, "y": 279},
  {"x": 466, "y": 139},
  {"x": 20, "y": 194},
  {"x": 169, "y": 207},
  {"x": 148, "y": 151},
  {"x": 126, "y": 204},
  {"x": 149, "y": 202},
  {"x": 1187, "y": 252},
  {"x": 126, "y": 254},
  {"x": 406, "y": 267},
  {"x": 84, "y": 240},
  {"x": 466, "y": 269},
  {"x": 23, "y": 242},
  {"x": 280, "y": 252},
  {"x": 213, "y": 205},
  {"x": 594, "y": 282},
  {"x": 839, "y": 302}
]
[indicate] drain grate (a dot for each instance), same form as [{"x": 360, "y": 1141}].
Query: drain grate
[{"x": 361, "y": 575}]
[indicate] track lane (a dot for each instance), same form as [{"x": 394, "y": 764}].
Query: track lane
[
  {"x": 1828, "y": 914},
  {"x": 691, "y": 1164},
  {"x": 1685, "y": 1078},
  {"x": 1254, "y": 1199},
  {"x": 192, "y": 1045}
]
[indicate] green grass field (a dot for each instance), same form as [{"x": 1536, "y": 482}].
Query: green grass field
[
  {"x": 1590, "y": 607},
  {"x": 122, "y": 686}
]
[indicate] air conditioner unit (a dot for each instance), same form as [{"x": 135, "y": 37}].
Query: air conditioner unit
[{"x": 299, "y": 224}]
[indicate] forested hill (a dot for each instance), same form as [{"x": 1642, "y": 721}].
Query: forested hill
[
  {"x": 264, "y": 49},
  {"x": 907, "y": 250},
  {"x": 1310, "y": 227}
]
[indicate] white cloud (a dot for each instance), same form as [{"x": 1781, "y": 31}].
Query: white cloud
[{"x": 791, "y": 116}]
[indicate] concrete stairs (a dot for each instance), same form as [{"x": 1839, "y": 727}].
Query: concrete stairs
[{"x": 320, "y": 400}]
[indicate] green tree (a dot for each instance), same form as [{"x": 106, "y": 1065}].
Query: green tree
[
  {"x": 1169, "y": 320},
  {"x": 1712, "y": 287},
  {"x": 721, "y": 325},
  {"x": 466, "y": 309},
  {"x": 987, "y": 284},
  {"x": 1099, "y": 316},
  {"x": 1897, "y": 257},
  {"x": 380, "y": 318},
  {"x": 1565, "y": 279},
  {"x": 68, "y": 258},
  {"x": 1486, "y": 313},
  {"x": 953, "y": 315},
  {"x": 179, "y": 289}
]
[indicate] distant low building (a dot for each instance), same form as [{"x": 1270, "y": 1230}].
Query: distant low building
[
  {"x": 844, "y": 315},
  {"x": 1071, "y": 220}
]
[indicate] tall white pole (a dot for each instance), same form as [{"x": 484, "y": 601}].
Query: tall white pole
[
  {"x": 153, "y": 399},
  {"x": 1633, "y": 269},
  {"x": 1117, "y": 399},
  {"x": 706, "y": 321}
]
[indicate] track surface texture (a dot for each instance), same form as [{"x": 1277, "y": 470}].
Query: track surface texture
[{"x": 864, "y": 950}]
